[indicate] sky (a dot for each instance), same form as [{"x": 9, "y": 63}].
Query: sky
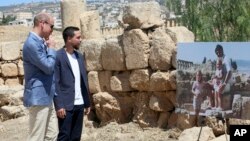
[
  {"x": 196, "y": 52},
  {"x": 10, "y": 2}
]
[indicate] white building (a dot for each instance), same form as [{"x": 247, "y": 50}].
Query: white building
[
  {"x": 23, "y": 15},
  {"x": 22, "y": 22}
]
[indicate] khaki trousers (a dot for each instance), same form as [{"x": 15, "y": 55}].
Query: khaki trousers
[{"x": 43, "y": 123}]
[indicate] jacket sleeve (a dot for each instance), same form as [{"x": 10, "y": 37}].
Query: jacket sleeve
[
  {"x": 41, "y": 59},
  {"x": 87, "y": 93},
  {"x": 58, "y": 101}
]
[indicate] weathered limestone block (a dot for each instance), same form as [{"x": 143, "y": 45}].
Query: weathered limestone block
[
  {"x": 107, "y": 107},
  {"x": 9, "y": 69},
  {"x": 10, "y": 112},
  {"x": 90, "y": 25},
  {"x": 1, "y": 81},
  {"x": 143, "y": 115},
  {"x": 20, "y": 68},
  {"x": 159, "y": 102},
  {"x": 216, "y": 125},
  {"x": 245, "y": 113},
  {"x": 172, "y": 122},
  {"x": 120, "y": 82},
  {"x": 127, "y": 103},
  {"x": 1, "y": 45},
  {"x": 172, "y": 79},
  {"x": 104, "y": 80},
  {"x": 71, "y": 11},
  {"x": 180, "y": 34},
  {"x": 143, "y": 15},
  {"x": 139, "y": 79},
  {"x": 12, "y": 82},
  {"x": 173, "y": 58},
  {"x": 159, "y": 81},
  {"x": 192, "y": 134},
  {"x": 171, "y": 95},
  {"x": 136, "y": 47},
  {"x": 113, "y": 57},
  {"x": 162, "y": 48},
  {"x": 163, "y": 120},
  {"x": 94, "y": 85},
  {"x": 10, "y": 51},
  {"x": 92, "y": 49},
  {"x": 237, "y": 105},
  {"x": 185, "y": 121}
]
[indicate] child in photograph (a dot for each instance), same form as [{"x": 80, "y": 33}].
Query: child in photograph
[
  {"x": 197, "y": 91},
  {"x": 217, "y": 82}
]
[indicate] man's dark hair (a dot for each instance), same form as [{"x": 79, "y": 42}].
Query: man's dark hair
[
  {"x": 69, "y": 32},
  {"x": 218, "y": 47}
]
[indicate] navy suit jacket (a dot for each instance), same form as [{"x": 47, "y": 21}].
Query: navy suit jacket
[
  {"x": 39, "y": 64},
  {"x": 65, "y": 81}
]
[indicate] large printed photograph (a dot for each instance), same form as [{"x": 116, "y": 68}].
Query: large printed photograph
[{"x": 213, "y": 79}]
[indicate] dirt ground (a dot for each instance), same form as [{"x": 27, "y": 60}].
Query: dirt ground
[{"x": 17, "y": 130}]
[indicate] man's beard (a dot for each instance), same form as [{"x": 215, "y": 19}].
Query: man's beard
[{"x": 76, "y": 47}]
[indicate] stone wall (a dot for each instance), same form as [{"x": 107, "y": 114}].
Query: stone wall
[{"x": 132, "y": 76}]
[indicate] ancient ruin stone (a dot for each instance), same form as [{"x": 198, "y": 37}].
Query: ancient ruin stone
[
  {"x": 107, "y": 107},
  {"x": 172, "y": 122},
  {"x": 104, "y": 80},
  {"x": 92, "y": 50},
  {"x": 90, "y": 25},
  {"x": 136, "y": 47},
  {"x": 143, "y": 15},
  {"x": 9, "y": 69},
  {"x": 193, "y": 133},
  {"x": 71, "y": 11},
  {"x": 1, "y": 81},
  {"x": 12, "y": 82},
  {"x": 172, "y": 79},
  {"x": 120, "y": 82},
  {"x": 180, "y": 34},
  {"x": 163, "y": 119},
  {"x": 113, "y": 57},
  {"x": 185, "y": 121},
  {"x": 159, "y": 81},
  {"x": 93, "y": 80},
  {"x": 127, "y": 103},
  {"x": 13, "y": 33},
  {"x": 10, "y": 51},
  {"x": 143, "y": 115},
  {"x": 245, "y": 113},
  {"x": 10, "y": 112},
  {"x": 20, "y": 68},
  {"x": 173, "y": 58},
  {"x": 216, "y": 125},
  {"x": 139, "y": 79},
  {"x": 237, "y": 105},
  {"x": 159, "y": 102},
  {"x": 162, "y": 48}
]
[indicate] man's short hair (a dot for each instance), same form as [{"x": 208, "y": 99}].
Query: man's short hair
[
  {"x": 41, "y": 17},
  {"x": 69, "y": 32},
  {"x": 218, "y": 47}
]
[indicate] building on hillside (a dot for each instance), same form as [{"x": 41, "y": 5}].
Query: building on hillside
[
  {"x": 24, "y": 15},
  {"x": 24, "y": 22}
]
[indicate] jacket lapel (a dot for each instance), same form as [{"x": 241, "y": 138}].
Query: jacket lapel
[{"x": 65, "y": 57}]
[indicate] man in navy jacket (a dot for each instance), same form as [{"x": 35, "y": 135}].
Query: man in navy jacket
[{"x": 72, "y": 94}]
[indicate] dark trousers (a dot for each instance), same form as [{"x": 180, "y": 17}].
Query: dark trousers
[{"x": 70, "y": 128}]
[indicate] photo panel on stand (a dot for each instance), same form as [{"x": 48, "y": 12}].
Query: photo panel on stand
[{"x": 213, "y": 79}]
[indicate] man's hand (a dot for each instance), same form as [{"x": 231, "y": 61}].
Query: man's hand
[
  {"x": 61, "y": 113},
  {"x": 87, "y": 111},
  {"x": 50, "y": 42}
]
